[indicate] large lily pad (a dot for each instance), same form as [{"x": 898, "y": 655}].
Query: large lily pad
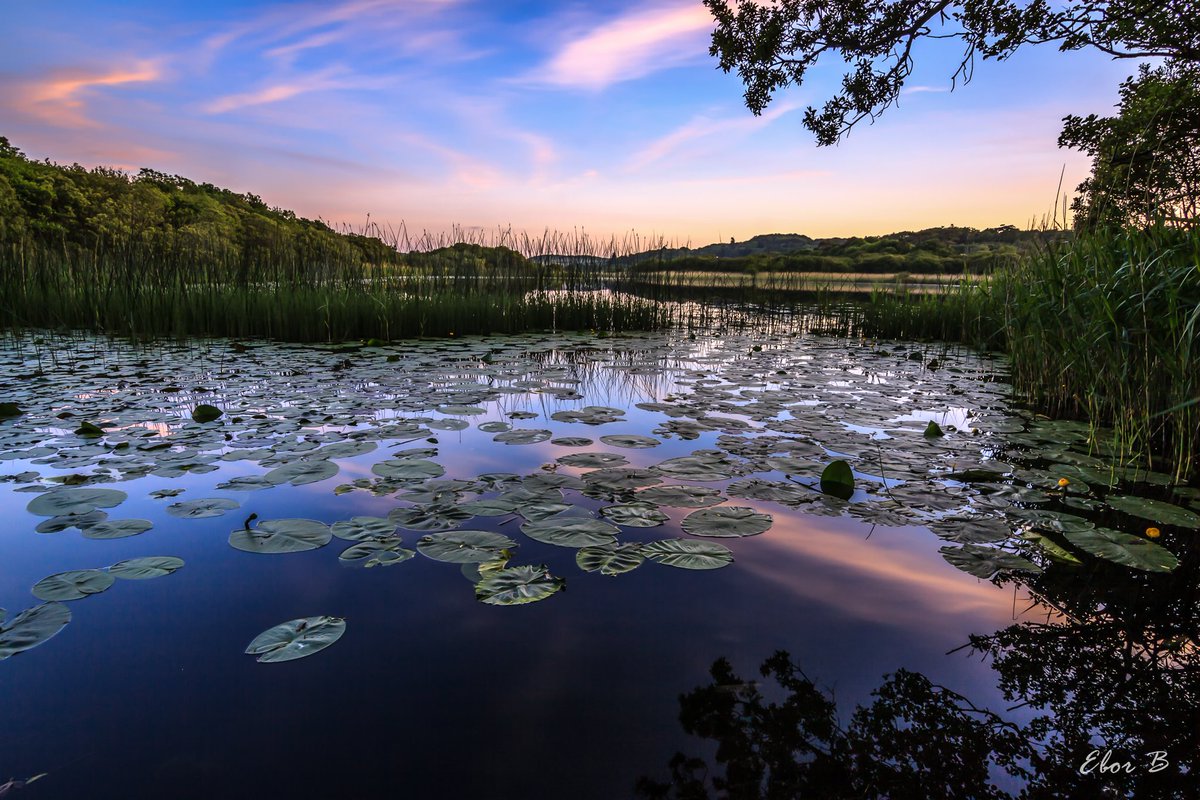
[
  {"x": 1122, "y": 548},
  {"x": 32, "y": 627},
  {"x": 703, "y": 466},
  {"x": 610, "y": 559},
  {"x": 74, "y": 500},
  {"x": 117, "y": 528},
  {"x": 282, "y": 536},
  {"x": 1156, "y": 511},
  {"x": 408, "y": 469},
  {"x": 297, "y": 638},
  {"x": 688, "y": 554},
  {"x": 299, "y": 473},
  {"x": 361, "y": 529},
  {"x": 73, "y": 584},
  {"x": 571, "y": 532},
  {"x": 465, "y": 547},
  {"x": 681, "y": 496},
  {"x": 145, "y": 568},
  {"x": 513, "y": 586},
  {"x": 726, "y": 522}
]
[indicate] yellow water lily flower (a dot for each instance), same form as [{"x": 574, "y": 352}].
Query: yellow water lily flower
[
  {"x": 1063, "y": 483},
  {"x": 1153, "y": 533}
]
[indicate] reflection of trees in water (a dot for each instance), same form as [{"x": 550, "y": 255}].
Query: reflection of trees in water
[{"x": 1119, "y": 673}]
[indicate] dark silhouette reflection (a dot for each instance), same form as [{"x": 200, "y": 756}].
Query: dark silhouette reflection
[{"x": 1103, "y": 702}]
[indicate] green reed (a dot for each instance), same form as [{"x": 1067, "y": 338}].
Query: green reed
[
  {"x": 1108, "y": 328},
  {"x": 1104, "y": 327}
]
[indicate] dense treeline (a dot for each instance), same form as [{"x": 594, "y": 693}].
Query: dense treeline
[
  {"x": 159, "y": 216},
  {"x": 933, "y": 251},
  {"x": 154, "y": 254}
]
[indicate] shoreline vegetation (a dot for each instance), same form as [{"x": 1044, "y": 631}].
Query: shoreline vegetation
[{"x": 1101, "y": 325}]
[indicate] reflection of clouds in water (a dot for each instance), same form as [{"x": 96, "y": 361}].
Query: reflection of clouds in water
[{"x": 895, "y": 577}]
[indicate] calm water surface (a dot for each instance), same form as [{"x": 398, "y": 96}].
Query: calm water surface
[{"x": 147, "y": 692}]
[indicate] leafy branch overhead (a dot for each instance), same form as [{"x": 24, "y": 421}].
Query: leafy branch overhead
[{"x": 772, "y": 46}]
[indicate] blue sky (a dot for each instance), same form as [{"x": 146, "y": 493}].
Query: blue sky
[{"x": 609, "y": 117}]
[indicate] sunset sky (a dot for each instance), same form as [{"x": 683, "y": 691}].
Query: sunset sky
[{"x": 605, "y": 116}]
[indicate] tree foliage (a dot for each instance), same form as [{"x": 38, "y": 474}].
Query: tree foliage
[
  {"x": 44, "y": 204},
  {"x": 1146, "y": 159},
  {"x": 773, "y": 45}
]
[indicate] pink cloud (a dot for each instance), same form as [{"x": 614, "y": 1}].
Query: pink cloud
[
  {"x": 60, "y": 99},
  {"x": 633, "y": 45},
  {"x": 325, "y": 80}
]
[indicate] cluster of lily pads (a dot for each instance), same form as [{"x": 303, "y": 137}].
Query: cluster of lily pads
[{"x": 890, "y": 435}]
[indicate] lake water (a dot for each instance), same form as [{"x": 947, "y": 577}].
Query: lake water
[{"x": 148, "y": 692}]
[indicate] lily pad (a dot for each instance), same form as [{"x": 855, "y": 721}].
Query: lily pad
[
  {"x": 378, "y": 553},
  {"x": 74, "y": 500},
  {"x": 618, "y": 478},
  {"x": 571, "y": 532},
  {"x": 465, "y": 547},
  {"x": 837, "y": 479},
  {"x": 72, "y": 585},
  {"x": 1122, "y": 548},
  {"x": 634, "y": 515},
  {"x": 1051, "y": 548},
  {"x": 681, "y": 496},
  {"x": 688, "y": 554},
  {"x": 611, "y": 559},
  {"x": 282, "y": 536},
  {"x": 726, "y": 522},
  {"x": 32, "y": 627},
  {"x": 984, "y": 562},
  {"x": 513, "y": 586},
  {"x": 408, "y": 469},
  {"x": 141, "y": 569},
  {"x": 522, "y": 436},
  {"x": 361, "y": 529},
  {"x": 206, "y": 413},
  {"x": 299, "y": 473},
  {"x": 117, "y": 528},
  {"x": 592, "y": 460},
  {"x": 630, "y": 441},
  {"x": 572, "y": 441},
  {"x": 202, "y": 508},
  {"x": 435, "y": 517},
  {"x": 489, "y": 507},
  {"x": 698, "y": 467},
  {"x": 297, "y": 638},
  {"x": 1156, "y": 511}
]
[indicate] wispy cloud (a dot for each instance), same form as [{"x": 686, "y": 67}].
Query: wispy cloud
[
  {"x": 286, "y": 32},
  {"x": 920, "y": 89},
  {"x": 631, "y": 46},
  {"x": 324, "y": 80},
  {"x": 705, "y": 127},
  {"x": 61, "y": 98}
]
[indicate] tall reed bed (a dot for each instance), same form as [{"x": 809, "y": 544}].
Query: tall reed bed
[
  {"x": 1108, "y": 328},
  {"x": 138, "y": 289},
  {"x": 1104, "y": 327}
]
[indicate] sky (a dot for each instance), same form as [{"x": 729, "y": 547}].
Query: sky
[{"x": 608, "y": 118}]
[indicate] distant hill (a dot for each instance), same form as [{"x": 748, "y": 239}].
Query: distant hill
[{"x": 930, "y": 251}]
